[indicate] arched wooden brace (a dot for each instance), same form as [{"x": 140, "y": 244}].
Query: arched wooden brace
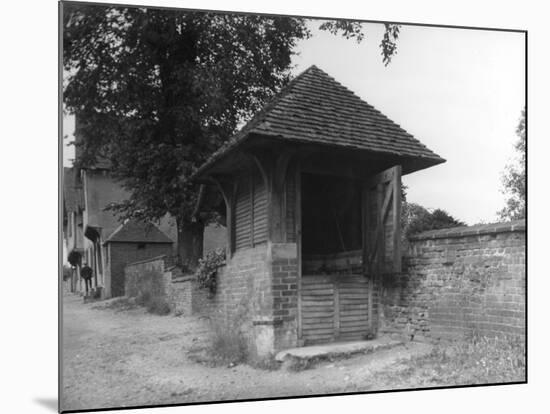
[
  {"x": 228, "y": 188},
  {"x": 273, "y": 170}
]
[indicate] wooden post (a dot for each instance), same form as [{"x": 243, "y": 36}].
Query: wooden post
[
  {"x": 298, "y": 230},
  {"x": 228, "y": 189},
  {"x": 396, "y": 184}
]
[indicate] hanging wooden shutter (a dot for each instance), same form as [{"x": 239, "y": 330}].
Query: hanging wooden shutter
[
  {"x": 260, "y": 210},
  {"x": 243, "y": 210},
  {"x": 382, "y": 222}
]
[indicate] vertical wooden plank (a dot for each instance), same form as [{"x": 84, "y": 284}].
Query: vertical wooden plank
[
  {"x": 367, "y": 268},
  {"x": 298, "y": 232},
  {"x": 396, "y": 184},
  {"x": 364, "y": 228},
  {"x": 380, "y": 241},
  {"x": 251, "y": 185}
]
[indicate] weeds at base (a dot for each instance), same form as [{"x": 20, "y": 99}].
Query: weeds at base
[
  {"x": 118, "y": 305},
  {"x": 153, "y": 304},
  {"x": 475, "y": 360}
]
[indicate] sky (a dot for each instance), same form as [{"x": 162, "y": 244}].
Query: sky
[{"x": 459, "y": 91}]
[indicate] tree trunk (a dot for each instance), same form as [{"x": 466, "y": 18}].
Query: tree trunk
[{"x": 190, "y": 243}]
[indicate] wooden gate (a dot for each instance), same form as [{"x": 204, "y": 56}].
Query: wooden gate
[{"x": 334, "y": 308}]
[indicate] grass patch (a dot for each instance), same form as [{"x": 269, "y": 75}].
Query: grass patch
[
  {"x": 118, "y": 305},
  {"x": 477, "y": 360},
  {"x": 228, "y": 346}
]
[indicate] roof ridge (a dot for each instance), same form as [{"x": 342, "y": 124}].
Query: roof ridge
[{"x": 137, "y": 231}]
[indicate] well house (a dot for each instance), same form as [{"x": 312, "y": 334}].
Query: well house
[{"x": 312, "y": 188}]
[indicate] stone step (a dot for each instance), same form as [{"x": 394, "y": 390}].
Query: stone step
[{"x": 336, "y": 350}]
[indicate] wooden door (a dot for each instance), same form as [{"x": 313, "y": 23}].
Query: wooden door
[{"x": 381, "y": 234}]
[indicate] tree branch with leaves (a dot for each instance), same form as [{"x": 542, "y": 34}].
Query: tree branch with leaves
[{"x": 156, "y": 91}]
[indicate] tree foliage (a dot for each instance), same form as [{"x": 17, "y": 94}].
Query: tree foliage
[
  {"x": 514, "y": 178},
  {"x": 156, "y": 91},
  {"x": 417, "y": 219},
  {"x": 353, "y": 29}
]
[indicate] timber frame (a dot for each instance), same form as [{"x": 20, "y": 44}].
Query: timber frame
[{"x": 315, "y": 177}]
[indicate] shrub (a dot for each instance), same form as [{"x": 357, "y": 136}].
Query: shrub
[
  {"x": 417, "y": 219},
  {"x": 228, "y": 344},
  {"x": 208, "y": 268},
  {"x": 158, "y": 306},
  {"x": 143, "y": 298},
  {"x": 154, "y": 304}
]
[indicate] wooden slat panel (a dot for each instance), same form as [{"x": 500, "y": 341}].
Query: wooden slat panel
[
  {"x": 260, "y": 210},
  {"x": 243, "y": 215},
  {"x": 290, "y": 206},
  {"x": 334, "y": 308}
]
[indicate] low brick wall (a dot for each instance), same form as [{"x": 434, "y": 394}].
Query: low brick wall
[
  {"x": 147, "y": 277},
  {"x": 459, "y": 281},
  {"x": 159, "y": 278}
]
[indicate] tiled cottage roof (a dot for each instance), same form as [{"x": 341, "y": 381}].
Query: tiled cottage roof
[
  {"x": 72, "y": 191},
  {"x": 138, "y": 232},
  {"x": 315, "y": 108}
]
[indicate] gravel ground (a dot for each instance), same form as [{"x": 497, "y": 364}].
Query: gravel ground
[{"x": 117, "y": 358}]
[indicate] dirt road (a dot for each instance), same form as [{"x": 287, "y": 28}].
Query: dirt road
[{"x": 128, "y": 358}]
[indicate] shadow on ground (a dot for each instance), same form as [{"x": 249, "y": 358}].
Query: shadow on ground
[{"x": 49, "y": 403}]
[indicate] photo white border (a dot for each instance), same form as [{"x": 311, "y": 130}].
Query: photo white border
[{"x": 30, "y": 205}]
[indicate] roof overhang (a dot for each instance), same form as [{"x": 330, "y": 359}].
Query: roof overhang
[{"x": 236, "y": 156}]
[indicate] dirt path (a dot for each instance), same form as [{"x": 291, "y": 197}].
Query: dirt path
[{"x": 130, "y": 357}]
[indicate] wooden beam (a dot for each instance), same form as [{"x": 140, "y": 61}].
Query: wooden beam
[
  {"x": 396, "y": 184},
  {"x": 298, "y": 232},
  {"x": 228, "y": 188},
  {"x": 381, "y": 178}
]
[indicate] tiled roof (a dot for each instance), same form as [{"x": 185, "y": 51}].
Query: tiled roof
[
  {"x": 73, "y": 196},
  {"x": 138, "y": 232},
  {"x": 315, "y": 108}
]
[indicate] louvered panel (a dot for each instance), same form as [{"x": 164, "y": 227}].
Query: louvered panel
[
  {"x": 290, "y": 207},
  {"x": 260, "y": 210},
  {"x": 317, "y": 302},
  {"x": 334, "y": 308},
  {"x": 353, "y": 312},
  {"x": 243, "y": 215}
]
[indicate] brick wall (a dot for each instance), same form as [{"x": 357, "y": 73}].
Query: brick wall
[
  {"x": 257, "y": 295},
  {"x": 458, "y": 281},
  {"x": 159, "y": 278},
  {"x": 147, "y": 276},
  {"x": 284, "y": 285}
]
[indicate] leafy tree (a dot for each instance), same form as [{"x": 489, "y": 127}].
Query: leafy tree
[
  {"x": 417, "y": 219},
  {"x": 514, "y": 179},
  {"x": 157, "y": 91}
]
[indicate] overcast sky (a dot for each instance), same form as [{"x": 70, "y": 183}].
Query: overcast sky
[{"x": 458, "y": 91}]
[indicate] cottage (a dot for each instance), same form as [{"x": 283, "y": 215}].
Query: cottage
[
  {"x": 130, "y": 242},
  {"x": 73, "y": 208},
  {"x": 96, "y": 188},
  {"x": 312, "y": 188}
]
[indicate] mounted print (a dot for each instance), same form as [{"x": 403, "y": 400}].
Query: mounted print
[{"x": 267, "y": 206}]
